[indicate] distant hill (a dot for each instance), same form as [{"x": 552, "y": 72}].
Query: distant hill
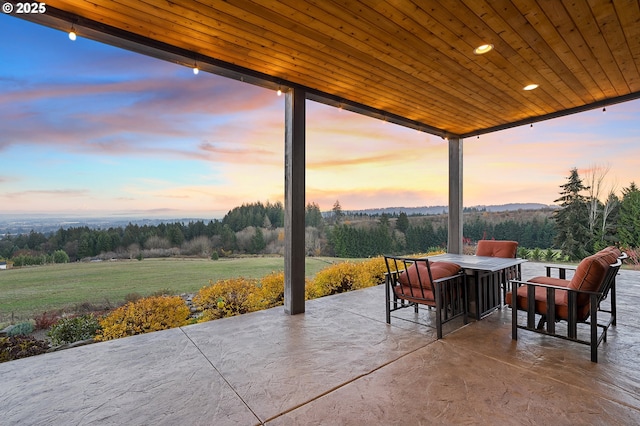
[
  {"x": 49, "y": 223},
  {"x": 431, "y": 210},
  {"x": 11, "y": 224}
]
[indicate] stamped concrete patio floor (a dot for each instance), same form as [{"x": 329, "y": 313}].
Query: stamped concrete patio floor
[{"x": 339, "y": 363}]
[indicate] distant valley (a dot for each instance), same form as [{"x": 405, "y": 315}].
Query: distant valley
[{"x": 45, "y": 223}]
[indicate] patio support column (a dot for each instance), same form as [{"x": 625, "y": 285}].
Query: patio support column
[
  {"x": 294, "y": 202},
  {"x": 455, "y": 196}
]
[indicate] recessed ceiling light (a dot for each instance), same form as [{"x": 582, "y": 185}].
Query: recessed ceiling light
[
  {"x": 481, "y": 50},
  {"x": 530, "y": 87}
]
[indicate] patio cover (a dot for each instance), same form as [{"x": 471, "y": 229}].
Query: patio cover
[{"x": 410, "y": 62}]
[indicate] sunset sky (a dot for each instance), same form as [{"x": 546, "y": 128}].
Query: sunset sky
[{"x": 88, "y": 129}]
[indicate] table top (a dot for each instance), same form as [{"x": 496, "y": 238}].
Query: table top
[{"x": 481, "y": 263}]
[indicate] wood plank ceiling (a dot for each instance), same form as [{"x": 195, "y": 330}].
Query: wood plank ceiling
[{"x": 409, "y": 61}]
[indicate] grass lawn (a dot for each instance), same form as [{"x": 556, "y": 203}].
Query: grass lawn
[{"x": 26, "y": 292}]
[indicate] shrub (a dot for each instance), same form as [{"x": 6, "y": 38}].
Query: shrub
[
  {"x": 69, "y": 330},
  {"x": 536, "y": 254},
  {"x": 60, "y": 256},
  {"x": 45, "y": 320},
  {"x": 347, "y": 276},
  {"x": 550, "y": 255},
  {"x": 523, "y": 253},
  {"x": 15, "y": 347},
  {"x": 226, "y": 298},
  {"x": 143, "y": 316},
  {"x": 334, "y": 279},
  {"x": 370, "y": 272},
  {"x": 21, "y": 329},
  {"x": 198, "y": 246},
  {"x": 271, "y": 291}
]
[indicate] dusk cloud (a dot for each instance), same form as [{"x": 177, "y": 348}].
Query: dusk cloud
[{"x": 87, "y": 127}]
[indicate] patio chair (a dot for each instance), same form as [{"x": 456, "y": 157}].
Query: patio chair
[
  {"x": 498, "y": 248},
  {"x": 417, "y": 281},
  {"x": 574, "y": 301}
]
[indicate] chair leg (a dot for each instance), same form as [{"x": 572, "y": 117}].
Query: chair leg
[
  {"x": 514, "y": 313},
  {"x": 388, "y": 299},
  {"x": 594, "y": 330},
  {"x": 540, "y": 325},
  {"x": 439, "y": 304},
  {"x": 612, "y": 299}
]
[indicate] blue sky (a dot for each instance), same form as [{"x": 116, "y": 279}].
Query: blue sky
[{"x": 88, "y": 129}]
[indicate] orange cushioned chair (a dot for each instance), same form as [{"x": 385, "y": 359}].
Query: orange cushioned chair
[
  {"x": 496, "y": 248},
  {"x": 415, "y": 281},
  {"x": 577, "y": 300},
  {"x": 500, "y": 248}
]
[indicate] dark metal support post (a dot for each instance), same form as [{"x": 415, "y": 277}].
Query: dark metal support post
[
  {"x": 294, "y": 201},
  {"x": 455, "y": 196}
]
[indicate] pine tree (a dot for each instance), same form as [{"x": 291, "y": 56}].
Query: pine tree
[
  {"x": 257, "y": 242},
  {"x": 629, "y": 220},
  {"x": 572, "y": 219},
  {"x": 402, "y": 224}
]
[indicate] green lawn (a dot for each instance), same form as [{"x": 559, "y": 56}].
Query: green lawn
[{"x": 26, "y": 292}]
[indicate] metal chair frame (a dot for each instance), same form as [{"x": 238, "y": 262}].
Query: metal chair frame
[
  {"x": 450, "y": 293},
  {"x": 607, "y": 287}
]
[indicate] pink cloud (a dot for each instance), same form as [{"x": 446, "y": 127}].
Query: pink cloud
[{"x": 74, "y": 193}]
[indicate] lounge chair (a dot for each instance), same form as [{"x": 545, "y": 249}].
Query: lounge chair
[
  {"x": 574, "y": 301},
  {"x": 417, "y": 281}
]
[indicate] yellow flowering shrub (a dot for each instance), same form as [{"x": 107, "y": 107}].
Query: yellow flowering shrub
[
  {"x": 369, "y": 273},
  {"x": 271, "y": 291},
  {"x": 333, "y": 279},
  {"x": 226, "y": 298},
  {"x": 346, "y": 276},
  {"x": 143, "y": 316}
]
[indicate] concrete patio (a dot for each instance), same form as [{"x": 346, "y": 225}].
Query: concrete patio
[{"x": 339, "y": 363}]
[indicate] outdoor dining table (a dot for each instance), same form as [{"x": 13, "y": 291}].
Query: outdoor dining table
[{"x": 485, "y": 276}]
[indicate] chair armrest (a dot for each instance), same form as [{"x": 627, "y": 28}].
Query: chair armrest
[{"x": 555, "y": 287}]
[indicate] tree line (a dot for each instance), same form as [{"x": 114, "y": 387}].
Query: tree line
[{"x": 580, "y": 226}]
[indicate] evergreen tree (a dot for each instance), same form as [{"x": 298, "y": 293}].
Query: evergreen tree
[
  {"x": 402, "y": 224},
  {"x": 175, "y": 235},
  {"x": 227, "y": 238},
  {"x": 257, "y": 242},
  {"x": 384, "y": 220},
  {"x": 629, "y": 220},
  {"x": 572, "y": 219}
]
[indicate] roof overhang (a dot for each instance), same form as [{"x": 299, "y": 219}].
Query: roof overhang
[{"x": 406, "y": 62}]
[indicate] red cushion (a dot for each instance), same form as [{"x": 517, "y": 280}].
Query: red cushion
[
  {"x": 443, "y": 269},
  {"x": 414, "y": 281},
  {"x": 611, "y": 253},
  {"x": 589, "y": 276},
  {"x": 492, "y": 248},
  {"x": 416, "y": 275},
  {"x": 561, "y": 305}
]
